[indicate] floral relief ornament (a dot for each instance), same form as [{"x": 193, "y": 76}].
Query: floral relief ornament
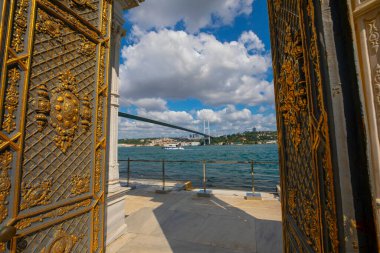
[
  {"x": 293, "y": 97},
  {"x": 65, "y": 109},
  {"x": 82, "y": 4}
]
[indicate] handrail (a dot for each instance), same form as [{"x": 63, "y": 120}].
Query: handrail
[
  {"x": 201, "y": 161},
  {"x": 204, "y": 163}
]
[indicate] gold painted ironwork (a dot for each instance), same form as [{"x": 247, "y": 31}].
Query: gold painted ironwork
[
  {"x": 43, "y": 107},
  {"x": 80, "y": 184},
  {"x": 11, "y": 100},
  {"x": 292, "y": 96},
  {"x": 5, "y": 183},
  {"x": 65, "y": 112},
  {"x": 49, "y": 25},
  {"x": 96, "y": 228},
  {"x": 65, "y": 108},
  {"x": 27, "y": 222},
  {"x": 63, "y": 242},
  {"x": 309, "y": 212},
  {"x": 87, "y": 48},
  {"x": 36, "y": 194},
  {"x": 55, "y": 76},
  {"x": 82, "y": 4},
  {"x": 20, "y": 23}
]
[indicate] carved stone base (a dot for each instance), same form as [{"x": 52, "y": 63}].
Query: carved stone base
[{"x": 115, "y": 214}]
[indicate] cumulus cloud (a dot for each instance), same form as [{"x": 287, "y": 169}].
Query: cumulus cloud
[
  {"x": 231, "y": 119},
  {"x": 177, "y": 65},
  {"x": 251, "y": 41},
  {"x": 155, "y": 104},
  {"x": 224, "y": 121},
  {"x": 193, "y": 14},
  {"x": 173, "y": 117}
]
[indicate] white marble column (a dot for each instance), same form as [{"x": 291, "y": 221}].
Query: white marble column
[
  {"x": 116, "y": 35},
  {"x": 115, "y": 202}
]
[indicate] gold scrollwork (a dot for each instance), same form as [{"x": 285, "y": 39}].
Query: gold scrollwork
[
  {"x": 62, "y": 242},
  {"x": 330, "y": 208},
  {"x": 82, "y": 4},
  {"x": 292, "y": 196},
  {"x": 43, "y": 107},
  {"x": 98, "y": 168},
  {"x": 99, "y": 127},
  {"x": 80, "y": 184},
  {"x": 86, "y": 113},
  {"x": 36, "y": 194},
  {"x": 96, "y": 224},
  {"x": 70, "y": 18},
  {"x": 292, "y": 96},
  {"x": 87, "y": 48},
  {"x": 65, "y": 112},
  {"x": 49, "y": 25},
  {"x": 20, "y": 26},
  {"x": 11, "y": 100},
  {"x": 105, "y": 17},
  {"x": 5, "y": 183},
  {"x": 277, "y": 5},
  {"x": 27, "y": 222}
]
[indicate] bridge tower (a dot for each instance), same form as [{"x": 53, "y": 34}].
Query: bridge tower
[{"x": 206, "y": 129}]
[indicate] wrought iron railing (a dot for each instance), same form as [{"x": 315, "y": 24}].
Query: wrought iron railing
[{"x": 250, "y": 165}]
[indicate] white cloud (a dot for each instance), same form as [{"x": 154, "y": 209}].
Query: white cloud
[
  {"x": 251, "y": 41},
  {"x": 177, "y": 65},
  {"x": 155, "y": 104},
  {"x": 194, "y": 14},
  {"x": 173, "y": 117},
  {"x": 230, "y": 119}
]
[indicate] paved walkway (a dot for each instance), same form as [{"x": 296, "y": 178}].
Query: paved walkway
[{"x": 180, "y": 222}]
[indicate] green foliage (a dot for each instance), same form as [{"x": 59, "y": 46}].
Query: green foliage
[{"x": 246, "y": 138}]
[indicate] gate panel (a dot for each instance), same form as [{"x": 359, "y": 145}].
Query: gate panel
[
  {"x": 307, "y": 178},
  {"x": 53, "y": 116}
]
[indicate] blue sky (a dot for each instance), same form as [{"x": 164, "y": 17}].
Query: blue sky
[{"x": 188, "y": 61}]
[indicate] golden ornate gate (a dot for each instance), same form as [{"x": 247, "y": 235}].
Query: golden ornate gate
[
  {"x": 307, "y": 178},
  {"x": 54, "y": 89}
]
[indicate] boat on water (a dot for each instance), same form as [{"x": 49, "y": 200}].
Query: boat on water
[{"x": 173, "y": 147}]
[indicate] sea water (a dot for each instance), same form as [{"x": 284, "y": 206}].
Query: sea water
[{"x": 225, "y": 176}]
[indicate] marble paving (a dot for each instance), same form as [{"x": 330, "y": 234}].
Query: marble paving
[{"x": 181, "y": 222}]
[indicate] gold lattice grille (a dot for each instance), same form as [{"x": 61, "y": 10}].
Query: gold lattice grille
[
  {"x": 308, "y": 198},
  {"x": 53, "y": 123}
]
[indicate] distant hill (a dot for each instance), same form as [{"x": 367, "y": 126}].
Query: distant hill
[
  {"x": 246, "y": 138},
  {"x": 259, "y": 137}
]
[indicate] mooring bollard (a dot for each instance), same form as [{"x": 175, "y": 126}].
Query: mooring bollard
[
  {"x": 163, "y": 175},
  {"x": 204, "y": 176},
  {"x": 253, "y": 180},
  {"x": 203, "y": 193},
  {"x": 128, "y": 171},
  {"x": 252, "y": 195}
]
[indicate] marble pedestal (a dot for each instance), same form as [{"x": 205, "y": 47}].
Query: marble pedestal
[
  {"x": 204, "y": 194},
  {"x": 253, "y": 196},
  {"x": 115, "y": 215}
]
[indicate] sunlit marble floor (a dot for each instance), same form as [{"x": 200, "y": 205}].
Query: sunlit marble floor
[{"x": 181, "y": 222}]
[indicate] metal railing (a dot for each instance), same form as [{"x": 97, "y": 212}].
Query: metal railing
[{"x": 163, "y": 162}]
